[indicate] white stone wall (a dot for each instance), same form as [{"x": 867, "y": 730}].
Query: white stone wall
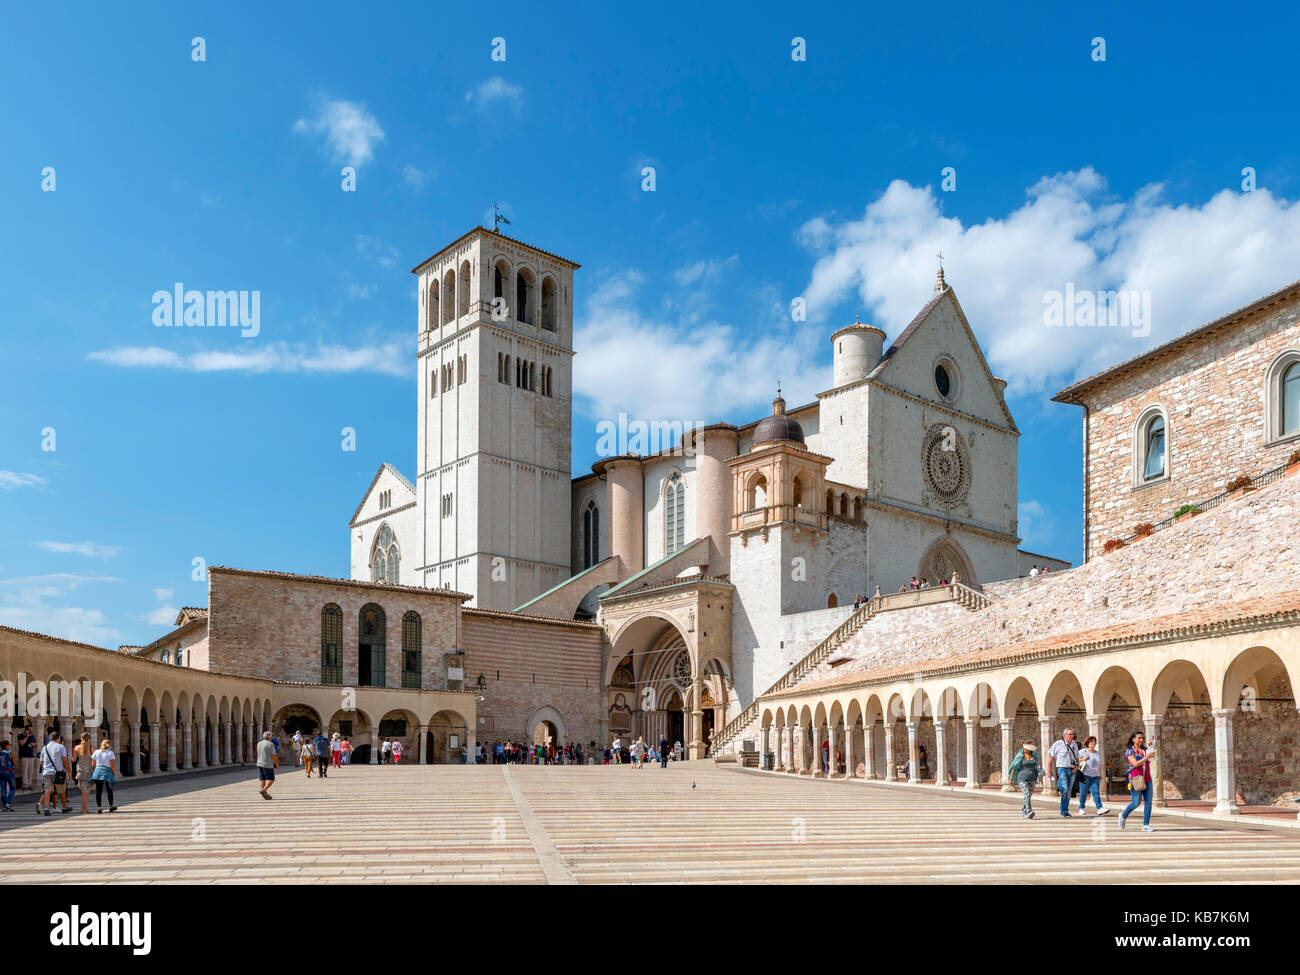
[{"x": 401, "y": 516}]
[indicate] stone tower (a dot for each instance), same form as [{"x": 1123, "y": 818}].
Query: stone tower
[{"x": 495, "y": 356}]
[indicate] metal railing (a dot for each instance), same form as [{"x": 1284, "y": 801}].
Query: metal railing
[
  {"x": 1268, "y": 477},
  {"x": 959, "y": 592}
]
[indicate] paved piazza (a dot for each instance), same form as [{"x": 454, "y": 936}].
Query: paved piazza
[{"x": 559, "y": 824}]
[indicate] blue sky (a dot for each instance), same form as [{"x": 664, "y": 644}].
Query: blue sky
[{"x": 775, "y": 179}]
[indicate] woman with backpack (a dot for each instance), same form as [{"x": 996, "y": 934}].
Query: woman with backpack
[{"x": 1138, "y": 757}]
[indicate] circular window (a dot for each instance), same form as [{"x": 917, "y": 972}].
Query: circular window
[
  {"x": 946, "y": 465},
  {"x": 942, "y": 380},
  {"x": 682, "y": 668}
]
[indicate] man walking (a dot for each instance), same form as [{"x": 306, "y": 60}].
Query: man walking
[
  {"x": 1063, "y": 757},
  {"x": 663, "y": 751},
  {"x": 27, "y": 757},
  {"x": 267, "y": 763},
  {"x": 55, "y": 772},
  {"x": 321, "y": 746}
]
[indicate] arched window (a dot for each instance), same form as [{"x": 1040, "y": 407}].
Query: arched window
[
  {"x": 590, "y": 535},
  {"x": 1290, "y": 400},
  {"x": 463, "y": 289},
  {"x": 331, "y": 645},
  {"x": 165, "y": 656},
  {"x": 500, "y": 283},
  {"x": 385, "y": 565},
  {"x": 448, "y": 297},
  {"x": 797, "y": 494},
  {"x": 431, "y": 309},
  {"x": 180, "y": 656},
  {"x": 372, "y": 652},
  {"x": 830, "y": 502},
  {"x": 549, "y": 317},
  {"x": 674, "y": 514},
  {"x": 524, "y": 296},
  {"x": 756, "y": 496},
  {"x": 411, "y": 663},
  {"x": 844, "y": 505},
  {"x": 1153, "y": 448}
]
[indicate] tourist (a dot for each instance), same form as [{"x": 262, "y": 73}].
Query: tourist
[
  {"x": 386, "y": 752},
  {"x": 321, "y": 746},
  {"x": 105, "y": 775},
  {"x": 27, "y": 756},
  {"x": 825, "y": 757},
  {"x": 1033, "y": 572},
  {"x": 677, "y": 751},
  {"x": 618, "y": 751},
  {"x": 636, "y": 753},
  {"x": 84, "y": 765},
  {"x": 876, "y": 595},
  {"x": 956, "y": 577},
  {"x": 663, "y": 751},
  {"x": 923, "y": 761},
  {"x": 268, "y": 760},
  {"x": 345, "y": 750},
  {"x": 336, "y": 750},
  {"x": 55, "y": 771},
  {"x": 1090, "y": 776},
  {"x": 297, "y": 748},
  {"x": 304, "y": 753},
  {"x": 1025, "y": 772},
  {"x": 8, "y": 784},
  {"x": 1138, "y": 757},
  {"x": 396, "y": 751},
  {"x": 1063, "y": 761}
]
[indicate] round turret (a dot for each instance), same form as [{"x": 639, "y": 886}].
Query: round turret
[{"x": 858, "y": 349}]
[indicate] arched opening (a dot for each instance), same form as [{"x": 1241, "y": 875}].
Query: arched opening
[
  {"x": 944, "y": 557},
  {"x": 550, "y": 302},
  {"x": 431, "y": 320},
  {"x": 448, "y": 297},
  {"x": 371, "y": 647},
  {"x": 448, "y": 738},
  {"x": 756, "y": 493},
  {"x": 832, "y": 601},
  {"x": 1258, "y": 689},
  {"x": 463, "y": 289},
  {"x": 524, "y": 296},
  {"x": 674, "y": 513}
]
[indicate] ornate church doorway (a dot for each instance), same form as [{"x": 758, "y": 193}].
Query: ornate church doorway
[{"x": 676, "y": 720}]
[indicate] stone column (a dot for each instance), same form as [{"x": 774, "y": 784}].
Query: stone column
[
  {"x": 187, "y": 745},
  {"x": 778, "y": 758},
  {"x": 972, "y": 753},
  {"x": 228, "y": 753},
  {"x": 850, "y": 765},
  {"x": 201, "y": 738},
  {"x": 891, "y": 767},
  {"x": 1097, "y": 728},
  {"x": 171, "y": 747},
  {"x": 914, "y": 752},
  {"x": 832, "y": 747},
  {"x": 375, "y": 745},
  {"x": 941, "y": 752},
  {"x": 134, "y": 734},
  {"x": 696, "y": 748},
  {"x": 1045, "y": 744},
  {"x": 869, "y": 750},
  {"x": 1008, "y": 727},
  {"x": 1152, "y": 722},
  {"x": 796, "y": 753},
  {"x": 423, "y": 732},
  {"x": 65, "y": 729},
  {"x": 1225, "y": 764},
  {"x": 816, "y": 750}
]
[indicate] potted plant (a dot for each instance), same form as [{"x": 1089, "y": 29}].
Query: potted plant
[
  {"x": 1238, "y": 485},
  {"x": 1187, "y": 510},
  {"x": 1111, "y": 546},
  {"x": 1293, "y": 464},
  {"x": 1144, "y": 529}
]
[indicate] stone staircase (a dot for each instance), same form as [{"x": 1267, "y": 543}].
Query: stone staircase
[{"x": 958, "y": 592}]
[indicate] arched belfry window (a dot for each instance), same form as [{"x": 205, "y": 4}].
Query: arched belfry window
[
  {"x": 756, "y": 493},
  {"x": 797, "y": 494},
  {"x": 1153, "y": 458},
  {"x": 590, "y": 535},
  {"x": 411, "y": 656},
  {"x": 674, "y": 513},
  {"x": 331, "y": 645},
  {"x": 448, "y": 297},
  {"x": 385, "y": 564}
]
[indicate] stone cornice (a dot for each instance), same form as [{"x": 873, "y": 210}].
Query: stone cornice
[
  {"x": 715, "y": 585},
  {"x": 894, "y": 507}
]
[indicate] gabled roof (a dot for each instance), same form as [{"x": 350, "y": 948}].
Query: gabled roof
[
  {"x": 494, "y": 233},
  {"x": 1070, "y": 393},
  {"x": 915, "y": 325},
  {"x": 375, "y": 480},
  {"x": 189, "y": 614}
]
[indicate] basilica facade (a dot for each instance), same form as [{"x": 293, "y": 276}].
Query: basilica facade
[{"x": 710, "y": 565}]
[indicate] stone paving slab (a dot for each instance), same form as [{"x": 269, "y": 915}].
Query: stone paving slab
[{"x": 690, "y": 823}]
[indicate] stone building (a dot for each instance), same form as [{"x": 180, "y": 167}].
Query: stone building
[{"x": 1173, "y": 426}]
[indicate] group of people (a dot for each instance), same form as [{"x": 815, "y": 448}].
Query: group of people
[
  {"x": 920, "y": 582},
  {"x": 548, "y": 753},
  {"x": 1078, "y": 771},
  {"x": 86, "y": 765},
  {"x": 638, "y": 752}
]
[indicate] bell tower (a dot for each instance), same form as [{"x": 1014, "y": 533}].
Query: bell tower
[{"x": 495, "y": 354}]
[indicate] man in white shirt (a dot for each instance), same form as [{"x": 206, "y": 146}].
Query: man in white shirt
[
  {"x": 297, "y": 748},
  {"x": 1063, "y": 758},
  {"x": 54, "y": 759}
]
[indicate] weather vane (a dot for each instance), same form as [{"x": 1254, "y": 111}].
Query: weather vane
[{"x": 498, "y": 219}]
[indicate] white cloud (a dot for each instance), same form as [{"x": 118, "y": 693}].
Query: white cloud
[
  {"x": 350, "y": 131},
  {"x": 415, "y": 177},
  {"x": 92, "y": 549},
  {"x": 1031, "y": 518},
  {"x": 676, "y": 367},
  {"x": 163, "y": 594},
  {"x": 705, "y": 272},
  {"x": 388, "y": 358},
  {"x": 377, "y": 250},
  {"x": 25, "y": 604},
  {"x": 162, "y": 616},
  {"x": 9, "y": 480},
  {"x": 1196, "y": 262},
  {"x": 494, "y": 91}
]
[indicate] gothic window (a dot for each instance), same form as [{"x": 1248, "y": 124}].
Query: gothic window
[
  {"x": 590, "y": 535},
  {"x": 797, "y": 494},
  {"x": 548, "y": 304},
  {"x": 448, "y": 297},
  {"x": 386, "y": 564},
  {"x": 1153, "y": 448},
  {"x": 674, "y": 514},
  {"x": 433, "y": 384},
  {"x": 532, "y": 377},
  {"x": 331, "y": 645},
  {"x": 411, "y": 663}
]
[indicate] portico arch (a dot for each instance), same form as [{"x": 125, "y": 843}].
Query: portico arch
[{"x": 545, "y": 715}]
